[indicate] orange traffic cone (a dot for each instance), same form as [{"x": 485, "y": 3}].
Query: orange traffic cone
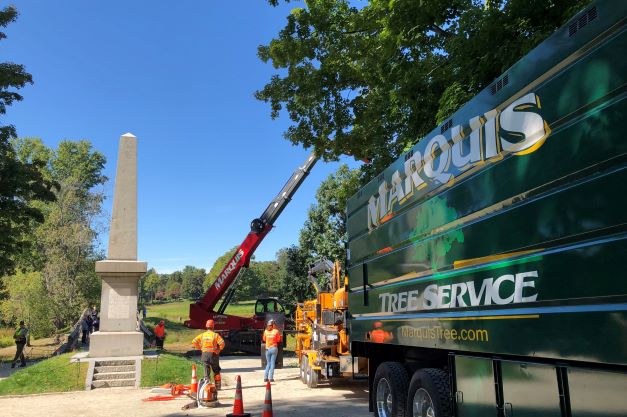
[
  {"x": 267, "y": 404},
  {"x": 194, "y": 385},
  {"x": 238, "y": 405}
]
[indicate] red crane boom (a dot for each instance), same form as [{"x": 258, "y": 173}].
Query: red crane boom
[{"x": 202, "y": 310}]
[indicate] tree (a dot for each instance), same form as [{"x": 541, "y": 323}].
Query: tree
[
  {"x": 173, "y": 290},
  {"x": 26, "y": 299},
  {"x": 20, "y": 183},
  {"x": 294, "y": 285},
  {"x": 324, "y": 233},
  {"x": 192, "y": 282},
  {"x": 217, "y": 267},
  {"x": 371, "y": 81},
  {"x": 247, "y": 285},
  {"x": 268, "y": 273},
  {"x": 152, "y": 284},
  {"x": 63, "y": 248}
]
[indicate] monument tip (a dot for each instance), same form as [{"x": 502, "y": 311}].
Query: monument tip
[{"x": 129, "y": 135}]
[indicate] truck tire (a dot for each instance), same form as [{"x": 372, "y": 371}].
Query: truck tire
[
  {"x": 312, "y": 377},
  {"x": 429, "y": 394},
  {"x": 389, "y": 390}
]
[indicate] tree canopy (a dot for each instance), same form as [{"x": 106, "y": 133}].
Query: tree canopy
[
  {"x": 20, "y": 182},
  {"x": 324, "y": 233},
  {"x": 372, "y": 81},
  {"x": 57, "y": 256}
]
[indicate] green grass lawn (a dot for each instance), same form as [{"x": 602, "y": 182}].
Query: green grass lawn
[
  {"x": 168, "y": 368},
  {"x": 178, "y": 337},
  {"x": 56, "y": 374},
  {"x": 178, "y": 311}
]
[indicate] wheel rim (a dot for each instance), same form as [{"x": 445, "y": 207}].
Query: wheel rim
[
  {"x": 384, "y": 398},
  {"x": 423, "y": 404}
]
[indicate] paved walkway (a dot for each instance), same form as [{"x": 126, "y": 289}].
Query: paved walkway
[{"x": 291, "y": 398}]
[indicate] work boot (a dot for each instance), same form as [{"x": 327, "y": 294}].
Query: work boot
[
  {"x": 23, "y": 365},
  {"x": 13, "y": 365}
]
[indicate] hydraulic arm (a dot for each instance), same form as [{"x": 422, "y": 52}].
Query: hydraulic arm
[{"x": 203, "y": 309}]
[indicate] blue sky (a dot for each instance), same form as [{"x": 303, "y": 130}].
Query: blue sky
[{"x": 181, "y": 77}]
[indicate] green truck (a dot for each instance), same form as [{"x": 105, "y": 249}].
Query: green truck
[{"x": 487, "y": 265}]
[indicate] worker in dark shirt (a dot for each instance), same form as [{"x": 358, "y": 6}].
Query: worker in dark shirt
[{"x": 21, "y": 339}]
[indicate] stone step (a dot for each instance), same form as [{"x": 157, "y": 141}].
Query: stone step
[
  {"x": 115, "y": 362},
  {"x": 107, "y": 369},
  {"x": 113, "y": 383},
  {"x": 114, "y": 375}
]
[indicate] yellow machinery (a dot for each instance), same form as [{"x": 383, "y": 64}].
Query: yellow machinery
[{"x": 321, "y": 338}]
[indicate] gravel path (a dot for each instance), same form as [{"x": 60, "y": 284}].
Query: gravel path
[{"x": 290, "y": 398}]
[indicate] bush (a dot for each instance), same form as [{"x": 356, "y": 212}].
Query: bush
[
  {"x": 27, "y": 300},
  {"x": 6, "y": 337}
]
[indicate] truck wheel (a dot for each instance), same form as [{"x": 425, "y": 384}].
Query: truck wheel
[
  {"x": 311, "y": 376},
  {"x": 390, "y": 390},
  {"x": 429, "y": 394}
]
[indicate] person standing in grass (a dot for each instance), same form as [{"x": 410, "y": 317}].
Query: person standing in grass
[
  {"x": 272, "y": 338},
  {"x": 160, "y": 334},
  {"x": 21, "y": 339}
]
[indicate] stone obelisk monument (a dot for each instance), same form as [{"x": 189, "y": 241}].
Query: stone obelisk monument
[{"x": 121, "y": 270}]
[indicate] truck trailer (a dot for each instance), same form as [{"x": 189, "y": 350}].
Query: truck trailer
[{"x": 487, "y": 264}]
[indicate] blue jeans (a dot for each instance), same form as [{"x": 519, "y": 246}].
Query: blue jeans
[{"x": 270, "y": 359}]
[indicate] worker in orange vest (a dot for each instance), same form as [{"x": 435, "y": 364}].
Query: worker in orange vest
[
  {"x": 271, "y": 337},
  {"x": 160, "y": 334},
  {"x": 378, "y": 335},
  {"x": 211, "y": 344}
]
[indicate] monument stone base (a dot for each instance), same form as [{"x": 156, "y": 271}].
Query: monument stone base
[{"x": 110, "y": 344}]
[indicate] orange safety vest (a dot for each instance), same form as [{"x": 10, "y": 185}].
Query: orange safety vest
[
  {"x": 209, "y": 341},
  {"x": 379, "y": 336},
  {"x": 159, "y": 331},
  {"x": 272, "y": 338}
]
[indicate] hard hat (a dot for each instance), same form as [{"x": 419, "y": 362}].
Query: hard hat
[
  {"x": 378, "y": 325},
  {"x": 210, "y": 324},
  {"x": 270, "y": 322}
]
